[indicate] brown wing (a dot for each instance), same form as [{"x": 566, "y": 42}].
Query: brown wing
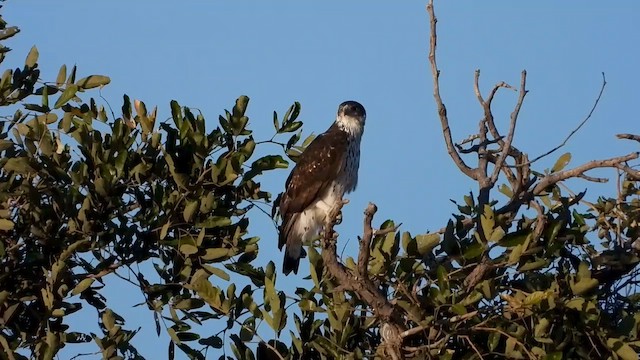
[{"x": 318, "y": 165}]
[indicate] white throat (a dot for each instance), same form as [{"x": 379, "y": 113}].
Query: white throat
[{"x": 351, "y": 125}]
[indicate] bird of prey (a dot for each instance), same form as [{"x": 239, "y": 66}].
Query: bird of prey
[{"x": 324, "y": 172}]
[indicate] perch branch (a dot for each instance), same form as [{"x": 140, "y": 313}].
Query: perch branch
[
  {"x": 442, "y": 110},
  {"x": 361, "y": 284}
]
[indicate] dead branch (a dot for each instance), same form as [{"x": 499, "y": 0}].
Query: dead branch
[
  {"x": 629, "y": 137},
  {"x": 564, "y": 142},
  {"x": 442, "y": 110},
  {"x": 593, "y": 178},
  {"x": 577, "y": 171},
  {"x": 633, "y": 174},
  {"x": 365, "y": 243},
  {"x": 506, "y": 148}
]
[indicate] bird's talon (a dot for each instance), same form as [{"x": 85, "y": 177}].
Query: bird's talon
[{"x": 338, "y": 219}]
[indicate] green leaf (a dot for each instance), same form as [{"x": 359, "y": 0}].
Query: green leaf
[
  {"x": 623, "y": 350},
  {"x": 494, "y": 339},
  {"x": 213, "y": 341},
  {"x": 497, "y": 235},
  {"x": 189, "y": 304},
  {"x": 510, "y": 349},
  {"x": 173, "y": 336},
  {"x": 505, "y": 190},
  {"x": 215, "y": 253},
  {"x": 93, "y": 81},
  {"x": 276, "y": 125},
  {"x": 214, "y": 221},
  {"x": 217, "y": 272},
  {"x": 82, "y": 286},
  {"x": 8, "y": 32},
  {"x": 291, "y": 127},
  {"x": 584, "y": 281},
  {"x": 62, "y": 75},
  {"x": 487, "y": 220},
  {"x": 32, "y": 57},
  {"x": 562, "y": 161},
  {"x": 19, "y": 165},
  {"x": 474, "y": 250},
  {"x": 72, "y": 77},
  {"x": 516, "y": 253},
  {"x": 67, "y": 95},
  {"x": 48, "y": 118},
  {"x": 421, "y": 244},
  {"x": 188, "y": 249},
  {"x": 514, "y": 239},
  {"x": 190, "y": 209},
  {"x": 6, "y": 224},
  {"x": 108, "y": 319},
  {"x": 533, "y": 265},
  {"x": 241, "y": 105}
]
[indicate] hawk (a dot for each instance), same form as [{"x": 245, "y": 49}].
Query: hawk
[{"x": 324, "y": 172}]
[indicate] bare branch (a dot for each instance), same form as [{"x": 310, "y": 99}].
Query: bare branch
[
  {"x": 487, "y": 107},
  {"x": 593, "y": 108},
  {"x": 506, "y": 148},
  {"x": 365, "y": 243},
  {"x": 633, "y": 174},
  {"x": 442, "y": 110},
  {"x": 362, "y": 285},
  {"x": 576, "y": 172},
  {"x": 629, "y": 137},
  {"x": 593, "y": 179}
]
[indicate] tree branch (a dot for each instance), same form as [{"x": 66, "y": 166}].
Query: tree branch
[
  {"x": 361, "y": 284},
  {"x": 442, "y": 110},
  {"x": 365, "y": 242},
  {"x": 506, "y": 148},
  {"x": 576, "y": 172},
  {"x": 593, "y": 108},
  {"x": 629, "y": 137}
]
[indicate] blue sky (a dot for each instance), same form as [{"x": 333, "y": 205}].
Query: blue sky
[{"x": 205, "y": 54}]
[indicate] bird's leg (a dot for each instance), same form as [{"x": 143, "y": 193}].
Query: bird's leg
[{"x": 338, "y": 218}]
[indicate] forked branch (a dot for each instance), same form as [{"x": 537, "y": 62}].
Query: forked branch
[{"x": 360, "y": 283}]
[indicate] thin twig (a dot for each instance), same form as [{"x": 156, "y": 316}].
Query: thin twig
[
  {"x": 593, "y": 108},
  {"x": 593, "y": 179}
]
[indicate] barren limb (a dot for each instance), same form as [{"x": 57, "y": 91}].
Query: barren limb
[
  {"x": 593, "y": 108},
  {"x": 506, "y": 148},
  {"x": 442, "y": 110},
  {"x": 629, "y": 137},
  {"x": 633, "y": 174},
  {"x": 483, "y": 160},
  {"x": 576, "y": 172}
]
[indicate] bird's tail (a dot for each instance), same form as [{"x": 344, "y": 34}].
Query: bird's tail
[
  {"x": 292, "y": 256},
  {"x": 292, "y": 244}
]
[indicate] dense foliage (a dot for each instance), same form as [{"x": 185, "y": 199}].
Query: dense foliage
[{"x": 534, "y": 272}]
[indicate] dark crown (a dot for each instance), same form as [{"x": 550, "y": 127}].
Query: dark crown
[{"x": 353, "y": 109}]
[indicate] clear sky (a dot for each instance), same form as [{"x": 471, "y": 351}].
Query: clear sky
[{"x": 205, "y": 54}]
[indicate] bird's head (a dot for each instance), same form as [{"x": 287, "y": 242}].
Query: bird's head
[{"x": 351, "y": 117}]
